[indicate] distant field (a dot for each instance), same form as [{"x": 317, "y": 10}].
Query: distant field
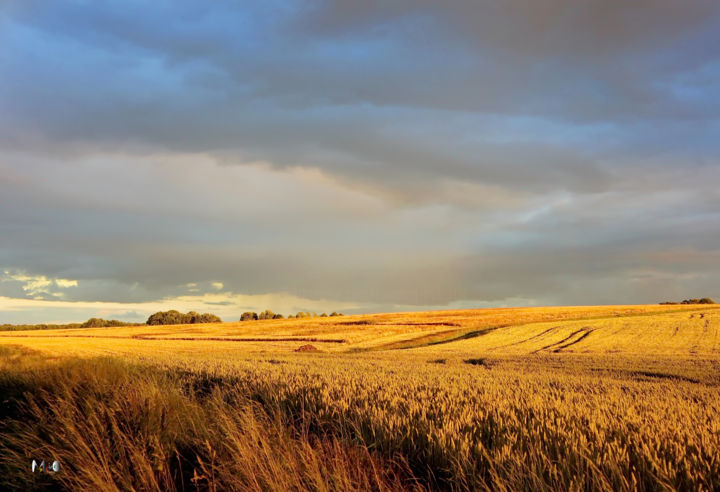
[
  {"x": 570, "y": 398},
  {"x": 627, "y": 329}
]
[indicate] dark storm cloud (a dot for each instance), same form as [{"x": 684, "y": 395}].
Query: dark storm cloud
[
  {"x": 337, "y": 84},
  {"x": 564, "y": 59},
  {"x": 388, "y": 153}
]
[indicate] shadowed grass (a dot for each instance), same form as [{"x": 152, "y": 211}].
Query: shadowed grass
[{"x": 117, "y": 426}]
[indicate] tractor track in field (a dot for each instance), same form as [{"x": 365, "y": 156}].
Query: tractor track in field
[
  {"x": 568, "y": 340},
  {"x": 580, "y": 339},
  {"x": 525, "y": 340}
]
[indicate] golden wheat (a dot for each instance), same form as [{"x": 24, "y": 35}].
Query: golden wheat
[{"x": 605, "y": 398}]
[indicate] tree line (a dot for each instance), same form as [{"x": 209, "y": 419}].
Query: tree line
[
  {"x": 267, "y": 314},
  {"x": 174, "y": 317},
  {"x": 704, "y": 300},
  {"x": 91, "y": 323},
  {"x": 171, "y": 317}
]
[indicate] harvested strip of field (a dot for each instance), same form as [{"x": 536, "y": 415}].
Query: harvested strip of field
[
  {"x": 437, "y": 338},
  {"x": 230, "y": 339},
  {"x": 204, "y": 339}
]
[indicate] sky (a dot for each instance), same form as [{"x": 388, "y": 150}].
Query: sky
[{"x": 355, "y": 156}]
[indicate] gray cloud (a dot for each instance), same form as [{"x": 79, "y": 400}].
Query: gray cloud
[{"x": 402, "y": 153}]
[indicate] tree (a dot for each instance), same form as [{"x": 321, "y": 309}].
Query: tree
[
  {"x": 173, "y": 317},
  {"x": 102, "y": 323},
  {"x": 267, "y": 314},
  {"x": 208, "y": 318},
  {"x": 248, "y": 316},
  {"x": 704, "y": 300}
]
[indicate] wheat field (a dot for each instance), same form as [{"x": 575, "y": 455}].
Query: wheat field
[{"x": 556, "y": 398}]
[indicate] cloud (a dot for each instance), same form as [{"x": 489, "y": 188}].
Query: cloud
[
  {"x": 384, "y": 155},
  {"x": 340, "y": 87},
  {"x": 36, "y": 286}
]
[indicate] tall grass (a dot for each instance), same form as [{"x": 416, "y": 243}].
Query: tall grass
[
  {"x": 115, "y": 426},
  {"x": 508, "y": 425},
  {"x": 364, "y": 426}
]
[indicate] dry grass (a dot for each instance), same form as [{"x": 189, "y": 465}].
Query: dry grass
[
  {"x": 601, "y": 398},
  {"x": 116, "y": 426}
]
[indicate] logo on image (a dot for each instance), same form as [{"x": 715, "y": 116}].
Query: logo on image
[{"x": 41, "y": 467}]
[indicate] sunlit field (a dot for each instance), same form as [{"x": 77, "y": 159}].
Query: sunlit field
[{"x": 558, "y": 398}]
